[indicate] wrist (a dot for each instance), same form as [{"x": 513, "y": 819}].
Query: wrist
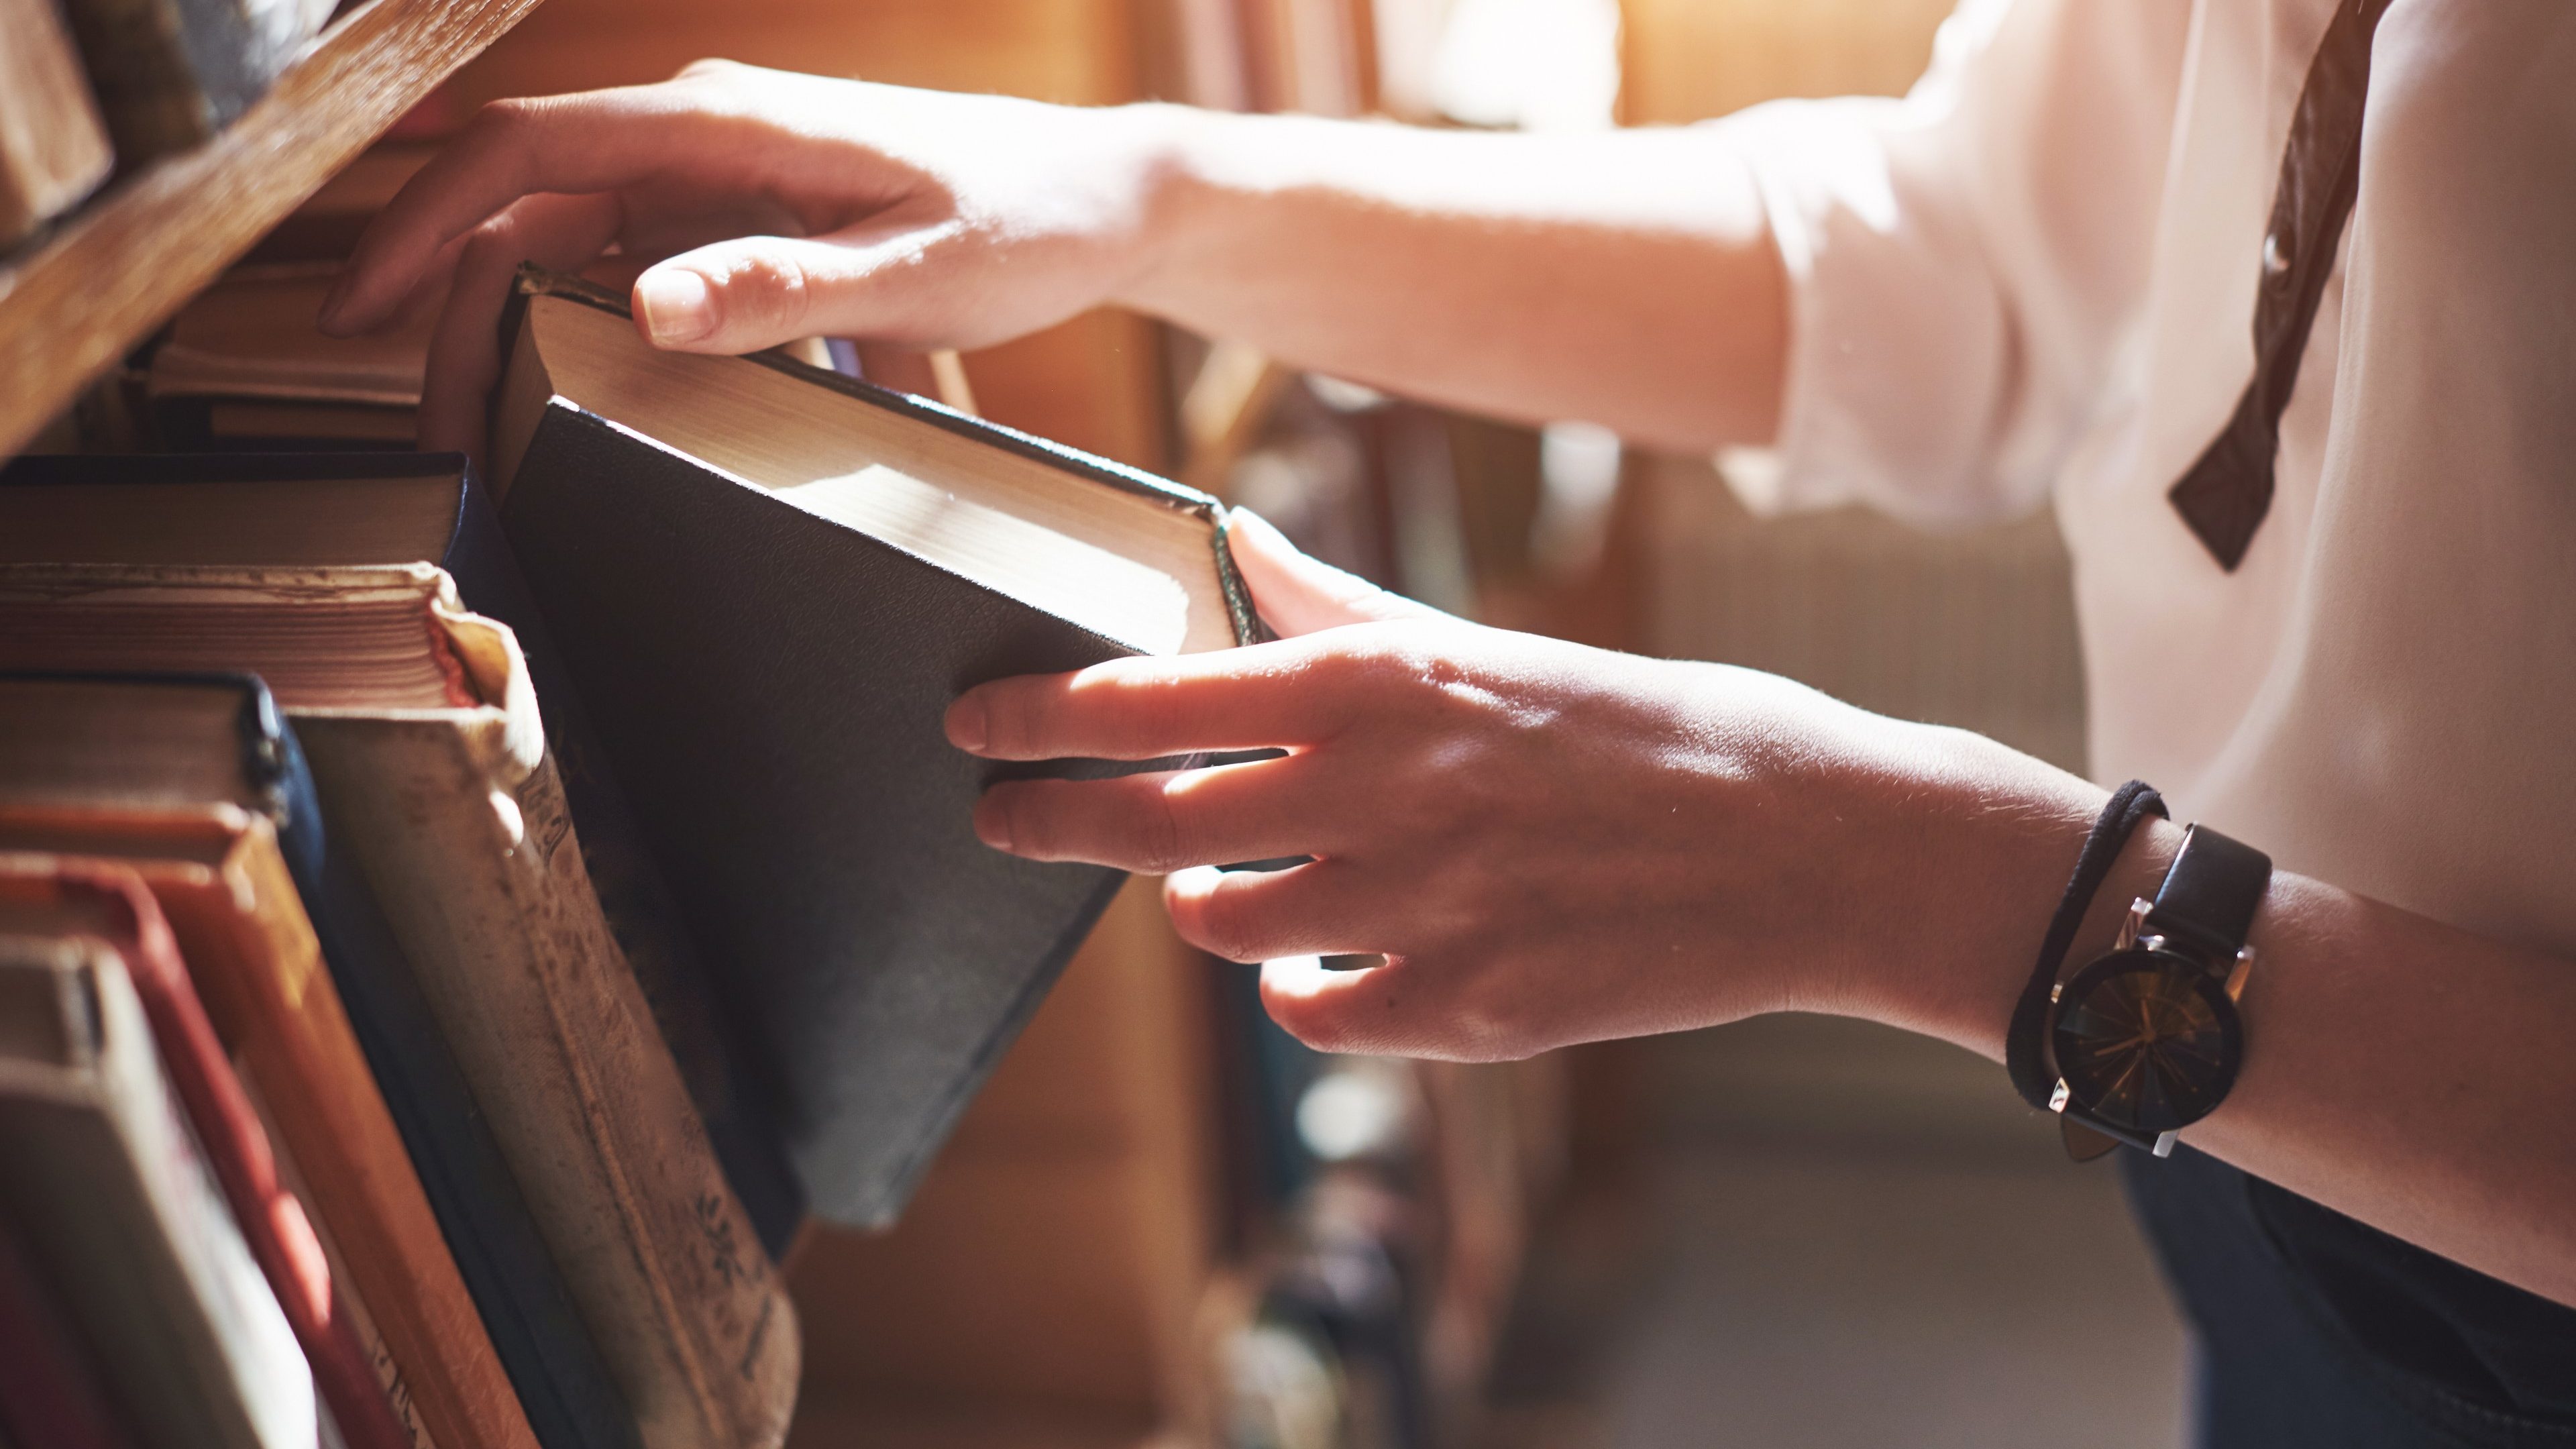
[
  {"x": 2136, "y": 875},
  {"x": 1988, "y": 838},
  {"x": 1178, "y": 200}
]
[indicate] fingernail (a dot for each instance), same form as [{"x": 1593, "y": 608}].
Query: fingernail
[
  {"x": 677, "y": 305},
  {"x": 966, "y": 729},
  {"x": 993, "y": 827},
  {"x": 332, "y": 302}
]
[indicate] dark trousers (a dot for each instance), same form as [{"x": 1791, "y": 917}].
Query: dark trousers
[{"x": 2316, "y": 1331}]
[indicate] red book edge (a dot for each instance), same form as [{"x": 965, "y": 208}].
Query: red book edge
[{"x": 272, "y": 1219}]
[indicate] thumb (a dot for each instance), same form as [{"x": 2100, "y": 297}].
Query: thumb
[
  {"x": 1298, "y": 594},
  {"x": 752, "y": 292}
]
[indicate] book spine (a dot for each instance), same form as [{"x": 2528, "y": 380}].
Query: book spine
[
  {"x": 736, "y": 1106},
  {"x": 483, "y": 882},
  {"x": 559, "y": 1390},
  {"x": 140, "y": 68},
  {"x": 171, "y": 73},
  {"x": 237, "y": 1147},
  {"x": 256, "y": 962},
  {"x": 116, "y": 1200},
  {"x": 53, "y": 148},
  {"x": 562, "y": 1385}
]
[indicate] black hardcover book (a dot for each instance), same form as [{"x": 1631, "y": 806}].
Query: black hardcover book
[
  {"x": 563, "y": 1388},
  {"x": 768, "y": 582}
]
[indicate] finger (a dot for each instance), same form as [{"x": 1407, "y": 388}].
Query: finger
[
  {"x": 1299, "y": 594},
  {"x": 1154, "y": 824},
  {"x": 1407, "y": 1007},
  {"x": 1322, "y": 908},
  {"x": 751, "y": 292},
  {"x": 561, "y": 232},
  {"x": 576, "y": 144},
  {"x": 1339, "y": 1011},
  {"x": 1261, "y": 696}
]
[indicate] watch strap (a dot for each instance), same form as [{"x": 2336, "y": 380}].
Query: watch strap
[
  {"x": 2024, "y": 1061},
  {"x": 2210, "y": 894}
]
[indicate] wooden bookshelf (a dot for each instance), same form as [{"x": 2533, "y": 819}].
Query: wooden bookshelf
[{"x": 76, "y": 301}]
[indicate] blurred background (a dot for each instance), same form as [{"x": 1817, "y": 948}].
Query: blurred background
[{"x": 1167, "y": 1224}]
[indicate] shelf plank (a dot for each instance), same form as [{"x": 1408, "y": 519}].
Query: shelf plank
[{"x": 82, "y": 298}]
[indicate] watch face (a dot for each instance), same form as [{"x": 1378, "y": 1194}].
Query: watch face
[{"x": 2146, "y": 1040}]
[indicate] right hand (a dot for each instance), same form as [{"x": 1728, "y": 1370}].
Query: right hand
[{"x": 767, "y": 206}]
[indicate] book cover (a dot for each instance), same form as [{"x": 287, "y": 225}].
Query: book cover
[
  {"x": 169, "y": 74},
  {"x": 423, "y": 737},
  {"x": 46, "y": 895},
  {"x": 218, "y": 877},
  {"x": 53, "y": 148},
  {"x": 96, "y": 764},
  {"x": 766, "y": 583},
  {"x": 243, "y": 365},
  {"x": 313, "y": 510},
  {"x": 115, "y": 1198},
  {"x": 763, "y": 665}
]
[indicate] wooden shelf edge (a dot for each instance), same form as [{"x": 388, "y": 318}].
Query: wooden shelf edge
[{"x": 119, "y": 268}]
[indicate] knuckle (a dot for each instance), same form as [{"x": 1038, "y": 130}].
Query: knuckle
[
  {"x": 492, "y": 251},
  {"x": 493, "y": 236},
  {"x": 504, "y": 118},
  {"x": 1381, "y": 661},
  {"x": 1488, "y": 1027},
  {"x": 1223, "y": 922},
  {"x": 710, "y": 68},
  {"x": 1163, "y": 836},
  {"x": 765, "y": 285}
]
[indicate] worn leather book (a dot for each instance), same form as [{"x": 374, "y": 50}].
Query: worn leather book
[
  {"x": 99, "y": 764},
  {"x": 243, "y": 365},
  {"x": 53, "y": 149},
  {"x": 115, "y": 1200},
  {"x": 47, "y": 895},
  {"x": 767, "y": 582},
  {"x": 218, "y": 877},
  {"x": 169, "y": 74},
  {"x": 317, "y": 510},
  {"x": 423, "y": 736}
]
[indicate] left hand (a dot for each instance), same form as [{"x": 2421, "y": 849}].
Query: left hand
[{"x": 1548, "y": 843}]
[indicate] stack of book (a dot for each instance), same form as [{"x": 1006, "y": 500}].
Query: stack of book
[
  {"x": 453, "y": 932},
  {"x": 87, "y": 86}
]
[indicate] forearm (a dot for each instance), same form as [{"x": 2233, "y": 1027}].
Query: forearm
[
  {"x": 1551, "y": 844},
  {"x": 1622, "y": 278},
  {"x": 2409, "y": 1074}
]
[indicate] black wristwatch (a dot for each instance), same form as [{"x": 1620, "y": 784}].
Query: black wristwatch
[{"x": 2145, "y": 1040}]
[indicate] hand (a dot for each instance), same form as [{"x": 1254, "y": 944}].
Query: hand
[
  {"x": 1549, "y": 843},
  {"x": 768, "y": 206}
]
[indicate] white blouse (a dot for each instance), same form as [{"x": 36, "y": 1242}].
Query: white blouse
[{"x": 2035, "y": 277}]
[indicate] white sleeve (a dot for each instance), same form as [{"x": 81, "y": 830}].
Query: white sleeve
[{"x": 1964, "y": 263}]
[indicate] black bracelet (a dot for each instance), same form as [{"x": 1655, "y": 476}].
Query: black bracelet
[{"x": 2130, "y": 804}]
